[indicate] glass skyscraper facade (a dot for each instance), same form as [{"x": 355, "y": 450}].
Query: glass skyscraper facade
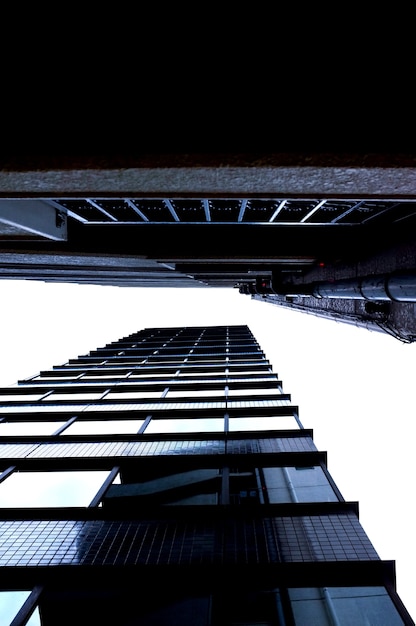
[{"x": 166, "y": 479}]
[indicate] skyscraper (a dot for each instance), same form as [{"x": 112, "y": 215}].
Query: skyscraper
[{"x": 166, "y": 478}]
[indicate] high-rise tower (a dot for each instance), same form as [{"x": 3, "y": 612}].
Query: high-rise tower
[{"x": 166, "y": 479}]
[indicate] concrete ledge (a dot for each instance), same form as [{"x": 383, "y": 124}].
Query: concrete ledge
[{"x": 273, "y": 181}]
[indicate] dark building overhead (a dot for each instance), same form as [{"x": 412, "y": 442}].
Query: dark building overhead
[{"x": 218, "y": 220}]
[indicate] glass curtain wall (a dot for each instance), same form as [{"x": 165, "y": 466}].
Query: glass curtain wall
[{"x": 173, "y": 459}]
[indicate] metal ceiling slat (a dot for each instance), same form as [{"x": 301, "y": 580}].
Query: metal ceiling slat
[
  {"x": 294, "y": 211},
  {"x": 121, "y": 209},
  {"x": 99, "y": 208},
  {"x": 278, "y": 210},
  {"x": 347, "y": 212},
  {"x": 314, "y": 210},
  {"x": 172, "y": 210},
  {"x": 136, "y": 210},
  {"x": 207, "y": 211},
  {"x": 246, "y": 210},
  {"x": 242, "y": 210},
  {"x": 259, "y": 210}
]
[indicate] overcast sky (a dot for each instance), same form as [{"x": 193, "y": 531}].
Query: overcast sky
[{"x": 354, "y": 387}]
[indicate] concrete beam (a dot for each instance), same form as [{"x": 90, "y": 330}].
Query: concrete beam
[{"x": 32, "y": 218}]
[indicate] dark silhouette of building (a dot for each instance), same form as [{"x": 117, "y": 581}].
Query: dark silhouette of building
[
  {"x": 166, "y": 478},
  {"x": 328, "y": 234}
]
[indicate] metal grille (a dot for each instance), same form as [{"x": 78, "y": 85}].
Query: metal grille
[
  {"x": 159, "y": 541},
  {"x": 248, "y": 210}
]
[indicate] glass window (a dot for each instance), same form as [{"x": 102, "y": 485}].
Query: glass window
[
  {"x": 200, "y": 486},
  {"x": 234, "y": 378},
  {"x": 199, "y": 393},
  {"x": 203, "y": 375},
  {"x": 133, "y": 395},
  {"x": 29, "y": 428},
  {"x": 122, "y": 607},
  {"x": 194, "y": 360},
  {"x": 149, "y": 376},
  {"x": 303, "y": 484},
  {"x": 21, "y": 397},
  {"x": 343, "y": 606},
  {"x": 38, "y": 489},
  {"x": 11, "y": 603},
  {"x": 254, "y": 392},
  {"x": 271, "y": 422},
  {"x": 195, "y": 425},
  {"x": 212, "y": 378},
  {"x": 110, "y": 427},
  {"x": 245, "y": 373},
  {"x": 72, "y": 396},
  {"x": 103, "y": 377}
]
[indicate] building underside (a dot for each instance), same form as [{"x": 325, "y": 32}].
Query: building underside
[{"x": 329, "y": 236}]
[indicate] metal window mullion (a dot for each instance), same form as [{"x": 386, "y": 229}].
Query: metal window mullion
[
  {"x": 27, "y": 608},
  {"x": 279, "y": 208},
  {"x": 145, "y": 424},
  {"x": 207, "y": 211},
  {"x": 48, "y": 393},
  {"x": 136, "y": 210},
  {"x": 290, "y": 485},
  {"x": 65, "y": 426},
  {"x": 329, "y": 605},
  {"x": 172, "y": 210},
  {"x": 7, "y": 473},
  {"x": 225, "y": 485},
  {"x": 106, "y": 484},
  {"x": 316, "y": 208},
  {"x": 350, "y": 210},
  {"x": 381, "y": 213},
  {"x": 103, "y": 211},
  {"x": 242, "y": 210}
]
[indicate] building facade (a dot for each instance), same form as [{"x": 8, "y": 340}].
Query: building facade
[{"x": 166, "y": 478}]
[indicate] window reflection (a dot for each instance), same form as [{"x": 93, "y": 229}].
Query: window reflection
[
  {"x": 29, "y": 428},
  {"x": 51, "y": 489},
  {"x": 10, "y": 604},
  {"x": 133, "y": 395},
  {"x": 298, "y": 484},
  {"x": 21, "y": 397},
  {"x": 343, "y": 606},
  {"x": 195, "y": 393},
  {"x": 185, "y": 425},
  {"x": 270, "y": 422},
  {"x": 110, "y": 427},
  {"x": 72, "y": 396},
  {"x": 254, "y": 392}
]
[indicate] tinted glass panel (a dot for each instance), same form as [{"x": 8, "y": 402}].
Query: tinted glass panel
[
  {"x": 272, "y": 422},
  {"x": 29, "y": 428},
  {"x": 38, "y": 489},
  {"x": 185, "y": 425},
  {"x": 104, "y": 427}
]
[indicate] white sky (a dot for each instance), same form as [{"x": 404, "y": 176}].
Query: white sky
[{"x": 354, "y": 387}]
